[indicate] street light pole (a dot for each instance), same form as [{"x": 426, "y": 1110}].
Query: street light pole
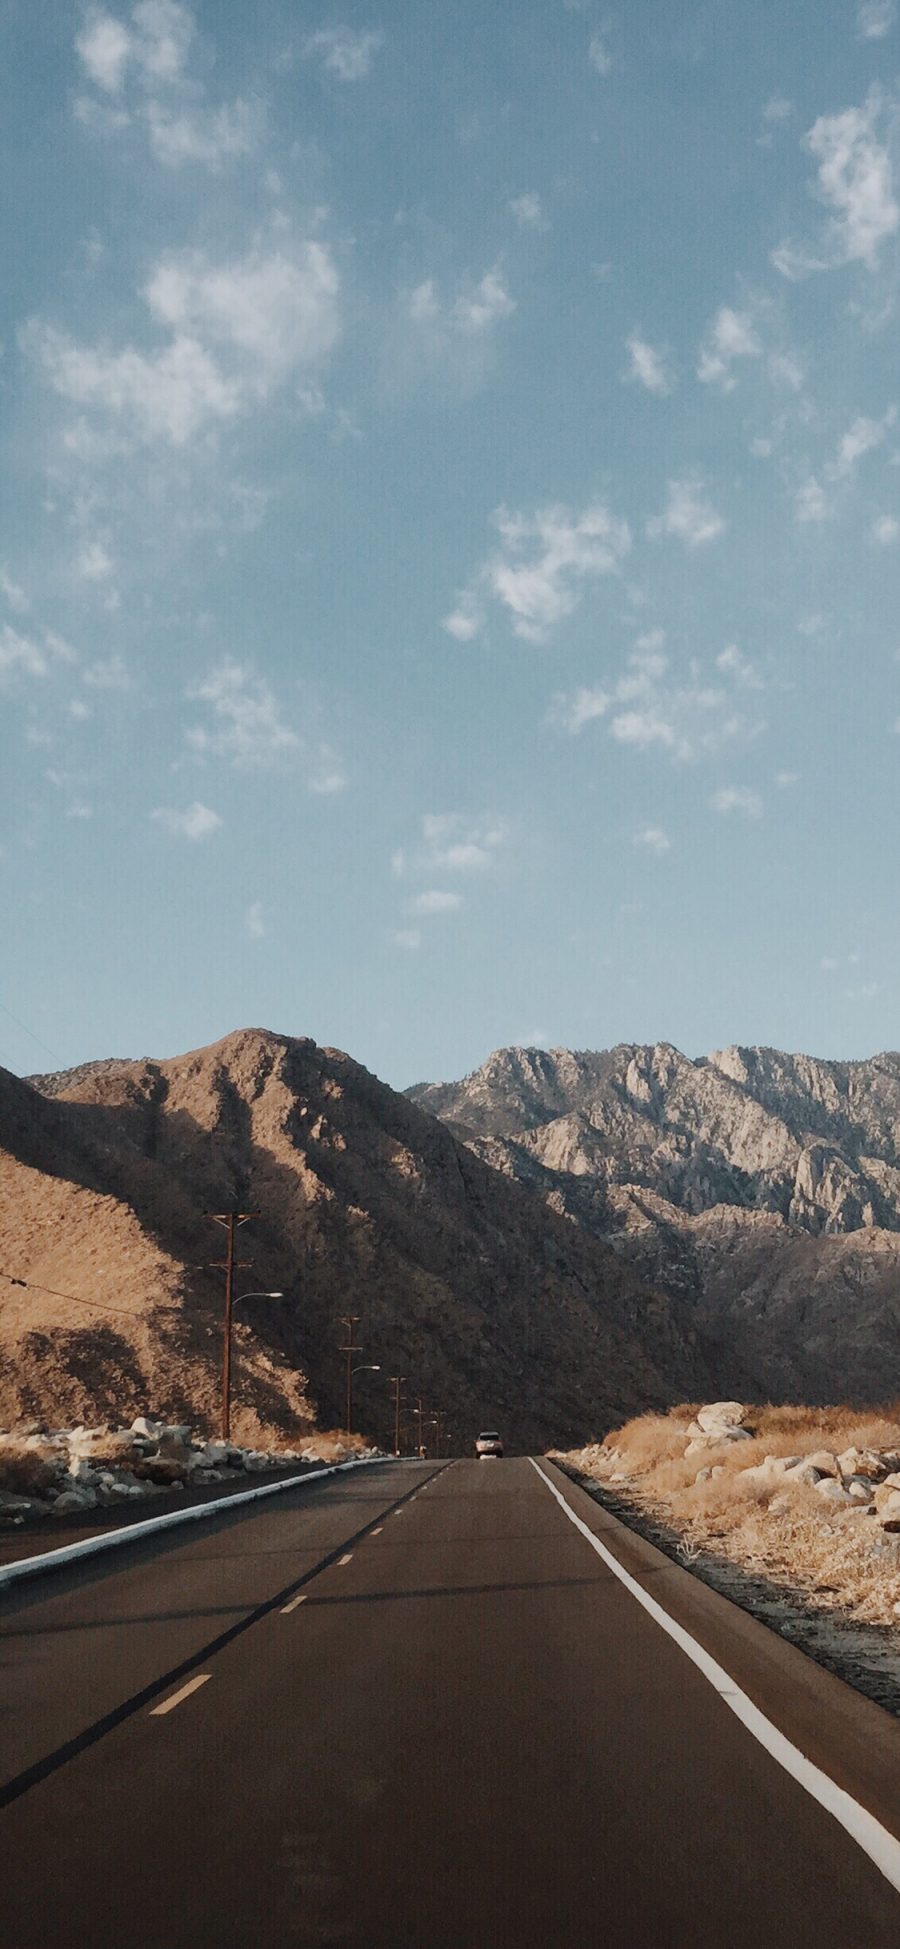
[
  {"x": 231, "y": 1220},
  {"x": 397, "y": 1380},
  {"x": 350, "y": 1320},
  {"x": 418, "y": 1414}
]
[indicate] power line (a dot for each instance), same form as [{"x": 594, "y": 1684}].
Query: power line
[
  {"x": 30, "y": 1032},
  {"x": 95, "y": 1305}
]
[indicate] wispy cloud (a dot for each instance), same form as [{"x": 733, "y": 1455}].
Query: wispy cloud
[
  {"x": 235, "y": 331},
  {"x": 731, "y": 336},
  {"x": 652, "y": 839},
  {"x": 855, "y": 179},
  {"x": 737, "y": 798},
  {"x": 139, "y": 67},
  {"x": 453, "y": 842},
  {"x": 435, "y": 902},
  {"x": 196, "y": 822},
  {"x": 875, "y": 18},
  {"x": 255, "y": 921},
  {"x": 647, "y": 365},
  {"x": 345, "y": 52},
  {"x": 247, "y": 728},
  {"x": 540, "y": 570},
  {"x": 599, "y": 55},
  {"x": 652, "y": 707},
  {"x": 689, "y": 515},
  {"x": 13, "y": 594},
  {"x": 528, "y": 211}
]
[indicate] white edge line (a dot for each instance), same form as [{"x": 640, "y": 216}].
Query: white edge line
[
  {"x": 876, "y": 1841},
  {"x": 168, "y": 1705},
  {"x": 132, "y": 1532}
]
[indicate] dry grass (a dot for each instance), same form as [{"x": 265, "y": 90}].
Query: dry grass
[{"x": 828, "y": 1555}]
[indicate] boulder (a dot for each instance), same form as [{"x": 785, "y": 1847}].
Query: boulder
[
  {"x": 81, "y": 1498},
  {"x": 721, "y": 1414},
  {"x": 831, "y": 1490},
  {"x": 888, "y": 1510},
  {"x": 804, "y": 1471}
]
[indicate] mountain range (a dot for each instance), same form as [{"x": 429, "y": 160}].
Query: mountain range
[
  {"x": 761, "y": 1188},
  {"x": 556, "y": 1241},
  {"x": 496, "y": 1308}
]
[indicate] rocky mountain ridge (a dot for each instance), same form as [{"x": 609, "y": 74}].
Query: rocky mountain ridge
[{"x": 760, "y": 1187}]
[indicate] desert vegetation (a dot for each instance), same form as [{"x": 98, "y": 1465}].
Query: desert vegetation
[{"x": 807, "y": 1498}]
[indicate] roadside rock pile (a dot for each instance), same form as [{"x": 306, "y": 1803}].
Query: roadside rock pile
[
  {"x": 47, "y": 1472},
  {"x": 859, "y": 1480}
]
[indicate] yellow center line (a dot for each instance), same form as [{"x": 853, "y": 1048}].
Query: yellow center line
[{"x": 169, "y": 1704}]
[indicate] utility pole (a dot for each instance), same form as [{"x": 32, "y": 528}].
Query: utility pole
[
  {"x": 349, "y": 1321},
  {"x": 418, "y": 1413},
  {"x": 231, "y": 1220},
  {"x": 438, "y": 1417},
  {"x": 397, "y": 1382}
]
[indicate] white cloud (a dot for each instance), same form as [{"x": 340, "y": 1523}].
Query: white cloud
[
  {"x": 345, "y": 52},
  {"x": 466, "y": 620},
  {"x": 811, "y": 503},
  {"x": 649, "y": 706},
  {"x": 860, "y": 439},
  {"x": 647, "y": 365},
  {"x": 652, "y": 839},
  {"x": 875, "y": 18},
  {"x": 211, "y": 136},
  {"x": 255, "y": 921},
  {"x": 104, "y": 47},
  {"x": 435, "y": 902},
  {"x": 325, "y": 774},
  {"x": 599, "y": 55},
  {"x": 785, "y": 779},
  {"x": 541, "y": 567},
  {"x": 732, "y": 662},
  {"x": 450, "y": 842},
  {"x": 731, "y": 336},
  {"x": 278, "y": 308},
  {"x": 238, "y": 329},
  {"x": 196, "y": 822},
  {"x": 454, "y": 842},
  {"x": 571, "y": 713},
  {"x": 94, "y": 563},
  {"x": 689, "y": 515},
  {"x": 409, "y": 938},
  {"x": 737, "y": 798},
  {"x": 108, "y": 673},
  {"x": 785, "y": 369},
  {"x": 777, "y": 109},
  {"x": 20, "y": 655},
  {"x": 528, "y": 211},
  {"x": 152, "y": 53},
  {"x": 13, "y": 594},
  {"x": 855, "y": 179},
  {"x": 886, "y": 530},
  {"x": 168, "y": 395},
  {"x": 247, "y": 728}
]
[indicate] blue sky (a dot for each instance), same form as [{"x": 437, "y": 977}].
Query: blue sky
[{"x": 450, "y": 543}]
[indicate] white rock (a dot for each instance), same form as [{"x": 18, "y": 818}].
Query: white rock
[
  {"x": 721, "y": 1414},
  {"x": 830, "y": 1490},
  {"x": 804, "y": 1471}
]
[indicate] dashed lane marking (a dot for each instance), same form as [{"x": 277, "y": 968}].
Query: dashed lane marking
[
  {"x": 177, "y": 1698},
  {"x": 292, "y": 1606},
  {"x": 345, "y": 1559},
  {"x": 377, "y": 1532}
]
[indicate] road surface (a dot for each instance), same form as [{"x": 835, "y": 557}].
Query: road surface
[{"x": 414, "y": 1708}]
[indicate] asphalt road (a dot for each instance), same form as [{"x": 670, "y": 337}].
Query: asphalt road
[{"x": 414, "y": 1709}]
